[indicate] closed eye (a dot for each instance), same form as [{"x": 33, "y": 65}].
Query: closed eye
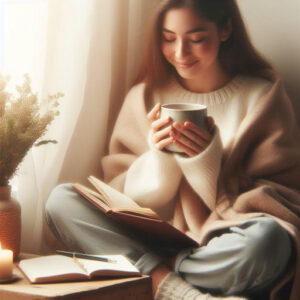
[
  {"x": 168, "y": 37},
  {"x": 197, "y": 41},
  {"x": 169, "y": 40}
]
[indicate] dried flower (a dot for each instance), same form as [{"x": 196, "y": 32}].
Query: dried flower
[{"x": 24, "y": 118}]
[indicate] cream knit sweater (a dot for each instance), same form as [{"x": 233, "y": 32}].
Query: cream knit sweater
[{"x": 154, "y": 178}]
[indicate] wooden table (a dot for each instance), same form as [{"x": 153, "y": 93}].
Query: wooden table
[{"x": 133, "y": 288}]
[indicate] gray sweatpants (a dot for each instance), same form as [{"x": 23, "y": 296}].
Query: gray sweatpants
[{"x": 244, "y": 258}]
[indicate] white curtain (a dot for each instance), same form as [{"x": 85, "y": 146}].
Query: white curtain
[{"x": 88, "y": 50}]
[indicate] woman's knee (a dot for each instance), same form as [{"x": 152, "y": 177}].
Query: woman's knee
[
  {"x": 264, "y": 257},
  {"x": 57, "y": 206},
  {"x": 247, "y": 257},
  {"x": 66, "y": 208},
  {"x": 267, "y": 241},
  {"x": 266, "y": 254}
]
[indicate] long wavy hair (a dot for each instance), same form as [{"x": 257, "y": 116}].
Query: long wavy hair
[{"x": 237, "y": 55}]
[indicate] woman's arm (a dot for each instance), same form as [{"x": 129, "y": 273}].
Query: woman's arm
[
  {"x": 202, "y": 150},
  {"x": 202, "y": 171},
  {"x": 149, "y": 176}
]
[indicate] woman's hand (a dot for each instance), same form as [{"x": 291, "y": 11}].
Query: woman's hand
[
  {"x": 188, "y": 136},
  {"x": 191, "y": 138},
  {"x": 161, "y": 128}
]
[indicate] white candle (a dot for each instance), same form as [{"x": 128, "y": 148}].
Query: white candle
[{"x": 6, "y": 263}]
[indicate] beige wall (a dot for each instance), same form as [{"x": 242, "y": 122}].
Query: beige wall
[{"x": 274, "y": 26}]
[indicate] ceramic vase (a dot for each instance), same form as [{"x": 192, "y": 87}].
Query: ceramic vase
[{"x": 10, "y": 221}]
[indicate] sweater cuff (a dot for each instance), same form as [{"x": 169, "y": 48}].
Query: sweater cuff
[
  {"x": 153, "y": 179},
  {"x": 202, "y": 170}
]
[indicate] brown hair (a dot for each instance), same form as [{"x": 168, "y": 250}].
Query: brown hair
[{"x": 236, "y": 55}]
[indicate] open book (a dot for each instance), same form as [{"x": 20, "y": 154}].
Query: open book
[
  {"x": 56, "y": 268},
  {"x": 143, "y": 221}
]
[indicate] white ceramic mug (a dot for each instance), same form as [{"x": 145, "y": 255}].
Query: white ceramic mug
[{"x": 181, "y": 112}]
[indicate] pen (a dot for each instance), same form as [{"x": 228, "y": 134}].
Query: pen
[{"x": 85, "y": 256}]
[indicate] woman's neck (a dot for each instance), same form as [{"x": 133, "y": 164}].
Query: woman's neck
[{"x": 208, "y": 82}]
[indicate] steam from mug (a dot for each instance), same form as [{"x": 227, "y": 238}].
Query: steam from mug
[{"x": 181, "y": 112}]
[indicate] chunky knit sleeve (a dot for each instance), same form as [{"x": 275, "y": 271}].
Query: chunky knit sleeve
[
  {"x": 148, "y": 176},
  {"x": 202, "y": 171},
  {"x": 153, "y": 179}
]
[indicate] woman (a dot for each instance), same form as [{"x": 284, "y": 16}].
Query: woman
[{"x": 234, "y": 188}]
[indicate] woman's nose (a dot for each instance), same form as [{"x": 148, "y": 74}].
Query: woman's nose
[{"x": 181, "y": 50}]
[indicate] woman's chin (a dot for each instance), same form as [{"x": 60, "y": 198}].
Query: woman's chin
[{"x": 186, "y": 74}]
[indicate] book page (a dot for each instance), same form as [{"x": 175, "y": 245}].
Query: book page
[
  {"x": 116, "y": 198},
  {"x": 99, "y": 201},
  {"x": 138, "y": 211},
  {"x": 51, "y": 268},
  {"x": 120, "y": 265},
  {"x": 95, "y": 197}
]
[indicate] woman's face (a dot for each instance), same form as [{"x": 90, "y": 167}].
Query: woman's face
[{"x": 191, "y": 43}]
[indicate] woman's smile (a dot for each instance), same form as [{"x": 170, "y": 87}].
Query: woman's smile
[{"x": 185, "y": 65}]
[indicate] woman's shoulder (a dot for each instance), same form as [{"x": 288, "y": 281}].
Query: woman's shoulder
[
  {"x": 135, "y": 95},
  {"x": 255, "y": 90},
  {"x": 136, "y": 90},
  {"x": 255, "y": 84},
  {"x": 145, "y": 96},
  {"x": 138, "y": 100}
]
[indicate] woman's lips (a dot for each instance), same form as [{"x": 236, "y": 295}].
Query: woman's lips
[{"x": 185, "y": 65}]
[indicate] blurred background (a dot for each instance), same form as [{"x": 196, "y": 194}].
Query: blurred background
[{"x": 274, "y": 27}]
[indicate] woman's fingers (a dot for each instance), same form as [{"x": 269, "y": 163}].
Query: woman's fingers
[
  {"x": 154, "y": 114},
  {"x": 162, "y": 138},
  {"x": 160, "y": 128},
  {"x": 195, "y": 135},
  {"x": 161, "y": 134},
  {"x": 191, "y": 127},
  {"x": 159, "y": 123},
  {"x": 186, "y": 149},
  {"x": 164, "y": 143},
  {"x": 187, "y": 143},
  {"x": 190, "y": 138}
]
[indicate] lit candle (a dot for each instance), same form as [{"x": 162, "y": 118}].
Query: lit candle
[{"x": 6, "y": 263}]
